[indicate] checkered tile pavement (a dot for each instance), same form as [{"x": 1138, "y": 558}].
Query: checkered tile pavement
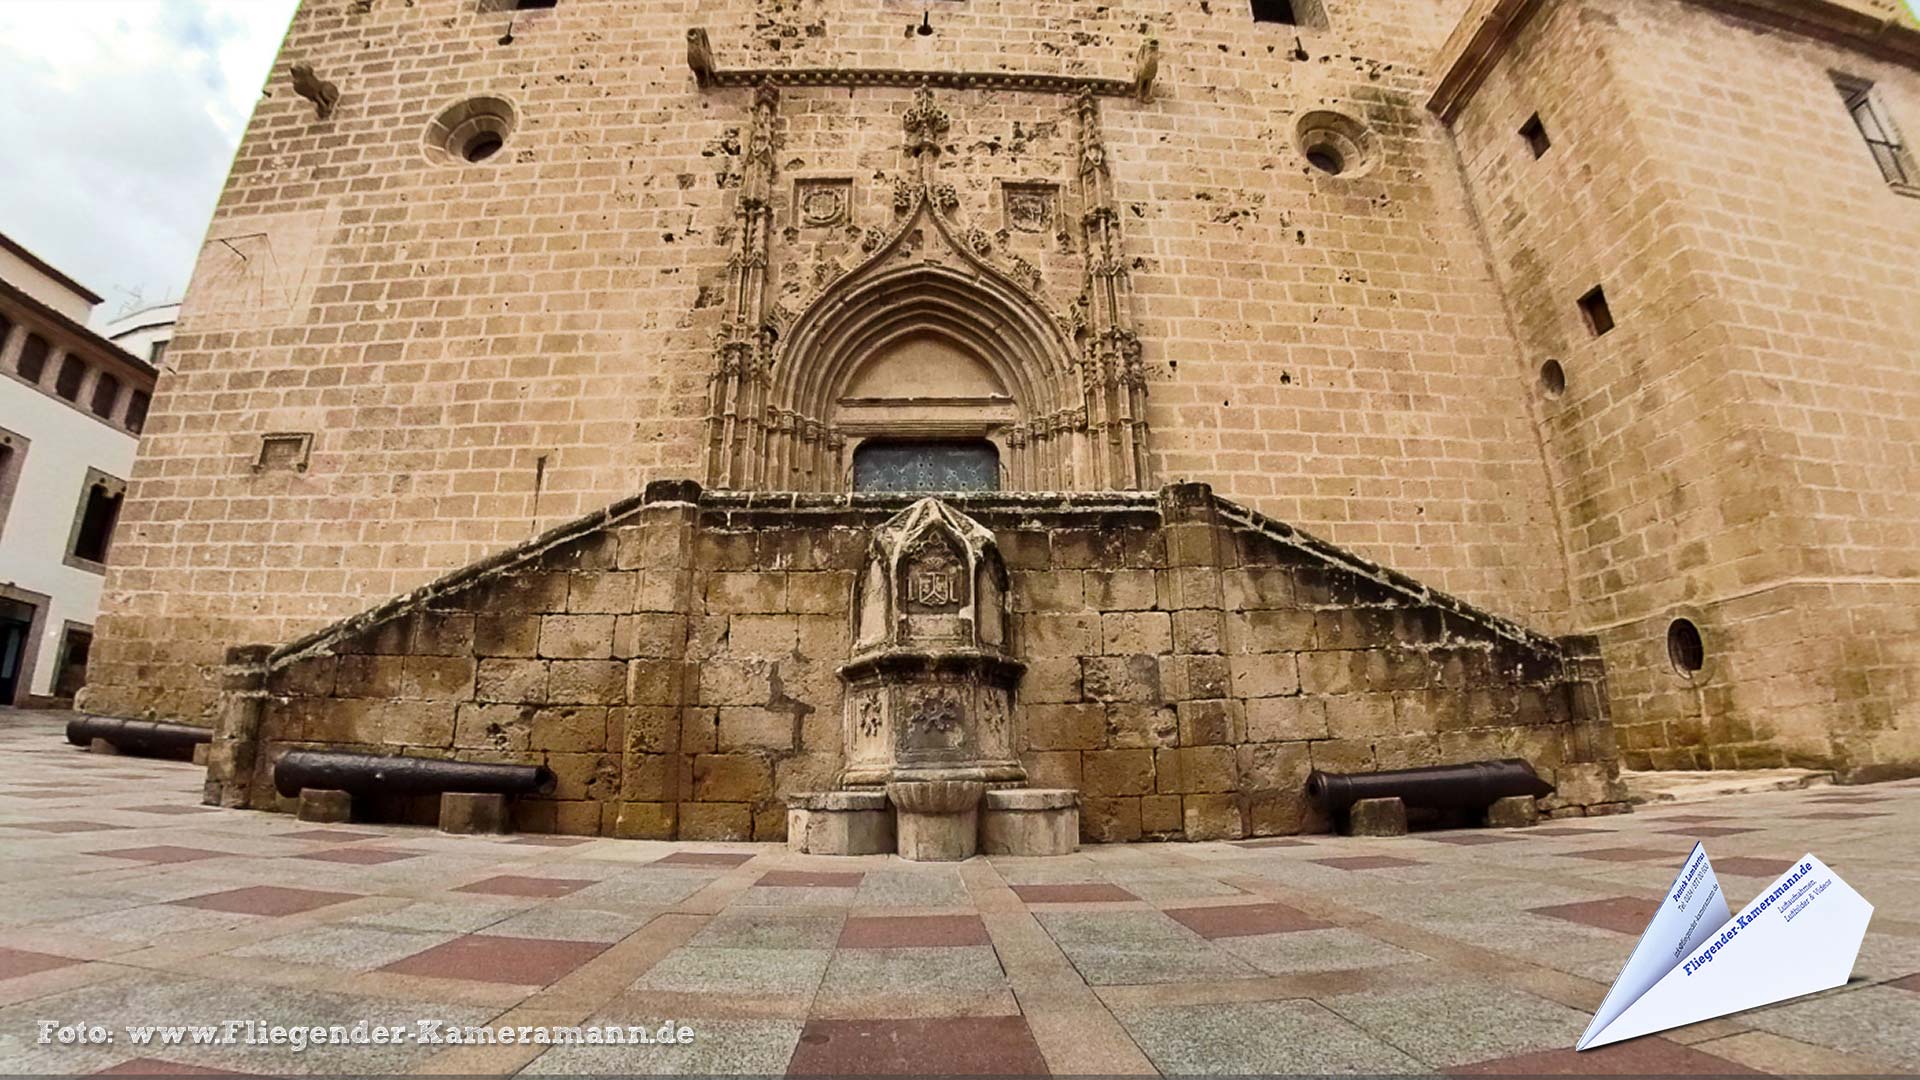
[{"x": 124, "y": 902}]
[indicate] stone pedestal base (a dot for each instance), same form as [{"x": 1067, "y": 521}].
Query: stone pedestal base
[
  {"x": 1031, "y": 821},
  {"x": 1516, "y": 812},
  {"x": 937, "y": 820},
  {"x": 1377, "y": 817},
  {"x": 840, "y": 823},
  {"x": 102, "y": 746},
  {"x": 467, "y": 813},
  {"x": 325, "y": 806},
  {"x": 202, "y": 752}
]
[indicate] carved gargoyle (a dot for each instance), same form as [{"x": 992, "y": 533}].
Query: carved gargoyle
[
  {"x": 1146, "y": 64},
  {"x": 700, "y": 56},
  {"x": 323, "y": 94}
]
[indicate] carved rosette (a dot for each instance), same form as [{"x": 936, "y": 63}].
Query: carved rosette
[{"x": 930, "y": 686}]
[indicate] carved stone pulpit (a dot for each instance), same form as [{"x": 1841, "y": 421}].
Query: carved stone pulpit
[{"x": 930, "y": 686}]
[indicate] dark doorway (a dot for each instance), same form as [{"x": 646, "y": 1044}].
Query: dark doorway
[
  {"x": 71, "y": 675},
  {"x": 16, "y": 630},
  {"x": 926, "y": 465}
]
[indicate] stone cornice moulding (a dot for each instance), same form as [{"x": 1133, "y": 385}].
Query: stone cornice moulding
[
  {"x": 710, "y": 75},
  {"x": 1878, "y": 28}
]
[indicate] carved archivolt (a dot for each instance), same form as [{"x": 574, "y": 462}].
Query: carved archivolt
[{"x": 926, "y": 336}]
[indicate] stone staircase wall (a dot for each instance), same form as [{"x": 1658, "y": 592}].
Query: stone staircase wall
[{"x": 673, "y": 659}]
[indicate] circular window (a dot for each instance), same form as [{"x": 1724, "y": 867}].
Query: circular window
[
  {"x": 1553, "y": 378},
  {"x": 1684, "y": 647},
  {"x": 473, "y": 130},
  {"x": 1334, "y": 143}
]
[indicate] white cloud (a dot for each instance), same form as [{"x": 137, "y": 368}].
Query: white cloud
[{"x": 120, "y": 118}]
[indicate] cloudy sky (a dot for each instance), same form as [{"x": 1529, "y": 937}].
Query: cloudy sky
[{"x": 120, "y": 118}]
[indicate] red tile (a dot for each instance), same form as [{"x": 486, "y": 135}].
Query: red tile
[
  {"x": 1566, "y": 830},
  {"x": 485, "y": 958},
  {"x": 359, "y": 856},
  {"x": 1840, "y": 815},
  {"x": 948, "y": 1045},
  {"x": 1272, "y": 841},
  {"x": 1706, "y": 830},
  {"x": 1623, "y": 854},
  {"x": 1468, "y": 839},
  {"x": 65, "y": 826},
  {"x": 1626, "y": 914},
  {"x": 173, "y": 808},
  {"x": 912, "y": 931},
  {"x": 551, "y": 841},
  {"x": 1243, "y": 920},
  {"x": 267, "y": 900},
  {"x": 162, "y": 853},
  {"x": 1071, "y": 894},
  {"x": 17, "y": 962},
  {"x": 831, "y": 879},
  {"x": 1636, "y": 1057},
  {"x": 1748, "y": 866},
  {"x": 1366, "y": 862},
  {"x": 516, "y": 885},
  {"x": 1911, "y": 982},
  {"x": 156, "y": 1067},
  {"x": 703, "y": 858},
  {"x": 341, "y": 835}
]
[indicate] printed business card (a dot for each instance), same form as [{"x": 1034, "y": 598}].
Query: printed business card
[{"x": 1697, "y": 960}]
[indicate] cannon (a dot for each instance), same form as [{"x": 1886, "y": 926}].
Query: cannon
[
  {"x": 380, "y": 774},
  {"x": 141, "y": 738},
  {"x": 1471, "y": 786}
]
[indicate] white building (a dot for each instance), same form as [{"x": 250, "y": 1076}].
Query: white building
[
  {"x": 146, "y": 332},
  {"x": 72, "y": 405}
]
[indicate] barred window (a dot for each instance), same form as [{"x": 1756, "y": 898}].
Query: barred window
[{"x": 1890, "y": 153}]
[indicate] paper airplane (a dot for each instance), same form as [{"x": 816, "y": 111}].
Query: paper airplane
[{"x": 1697, "y": 960}]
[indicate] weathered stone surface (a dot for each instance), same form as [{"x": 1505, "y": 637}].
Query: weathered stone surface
[
  {"x": 325, "y": 806},
  {"x": 1513, "y": 812},
  {"x": 1377, "y": 817},
  {"x": 840, "y": 823},
  {"x": 467, "y": 812},
  {"x": 1030, "y": 821}
]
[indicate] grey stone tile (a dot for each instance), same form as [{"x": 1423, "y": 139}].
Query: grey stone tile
[
  {"x": 737, "y": 971},
  {"x": 150, "y": 923},
  {"x": 1294, "y": 1037},
  {"x": 356, "y": 948},
  {"x": 719, "y": 1048},
  {"x": 565, "y": 922},
  {"x": 466, "y": 915},
  {"x": 953, "y": 969},
  {"x": 1457, "y": 1023},
  {"x": 755, "y": 929},
  {"x": 887, "y": 888},
  {"x": 1334, "y": 949},
  {"x": 1115, "y": 928},
  {"x": 1874, "y": 1021},
  {"x": 642, "y": 889}
]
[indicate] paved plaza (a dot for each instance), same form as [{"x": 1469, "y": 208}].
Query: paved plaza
[{"x": 124, "y": 902}]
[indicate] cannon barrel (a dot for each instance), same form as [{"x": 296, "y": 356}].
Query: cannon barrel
[
  {"x": 1472, "y": 785},
  {"x": 381, "y": 774},
  {"x": 142, "y": 738}
]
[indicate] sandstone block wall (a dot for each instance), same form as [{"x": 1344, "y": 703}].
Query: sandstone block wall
[
  {"x": 1739, "y": 450},
  {"x": 484, "y": 351},
  {"x": 673, "y": 661}
]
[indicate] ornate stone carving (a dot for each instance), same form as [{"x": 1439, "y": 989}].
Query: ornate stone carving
[
  {"x": 323, "y": 94},
  {"x": 930, "y": 637},
  {"x": 926, "y": 124},
  {"x": 822, "y": 204},
  {"x": 700, "y": 57},
  {"x": 1029, "y": 208}
]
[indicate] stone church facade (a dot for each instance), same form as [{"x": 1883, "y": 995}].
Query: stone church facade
[{"x": 1347, "y": 383}]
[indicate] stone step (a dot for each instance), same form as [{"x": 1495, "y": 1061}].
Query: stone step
[{"x": 1678, "y": 787}]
